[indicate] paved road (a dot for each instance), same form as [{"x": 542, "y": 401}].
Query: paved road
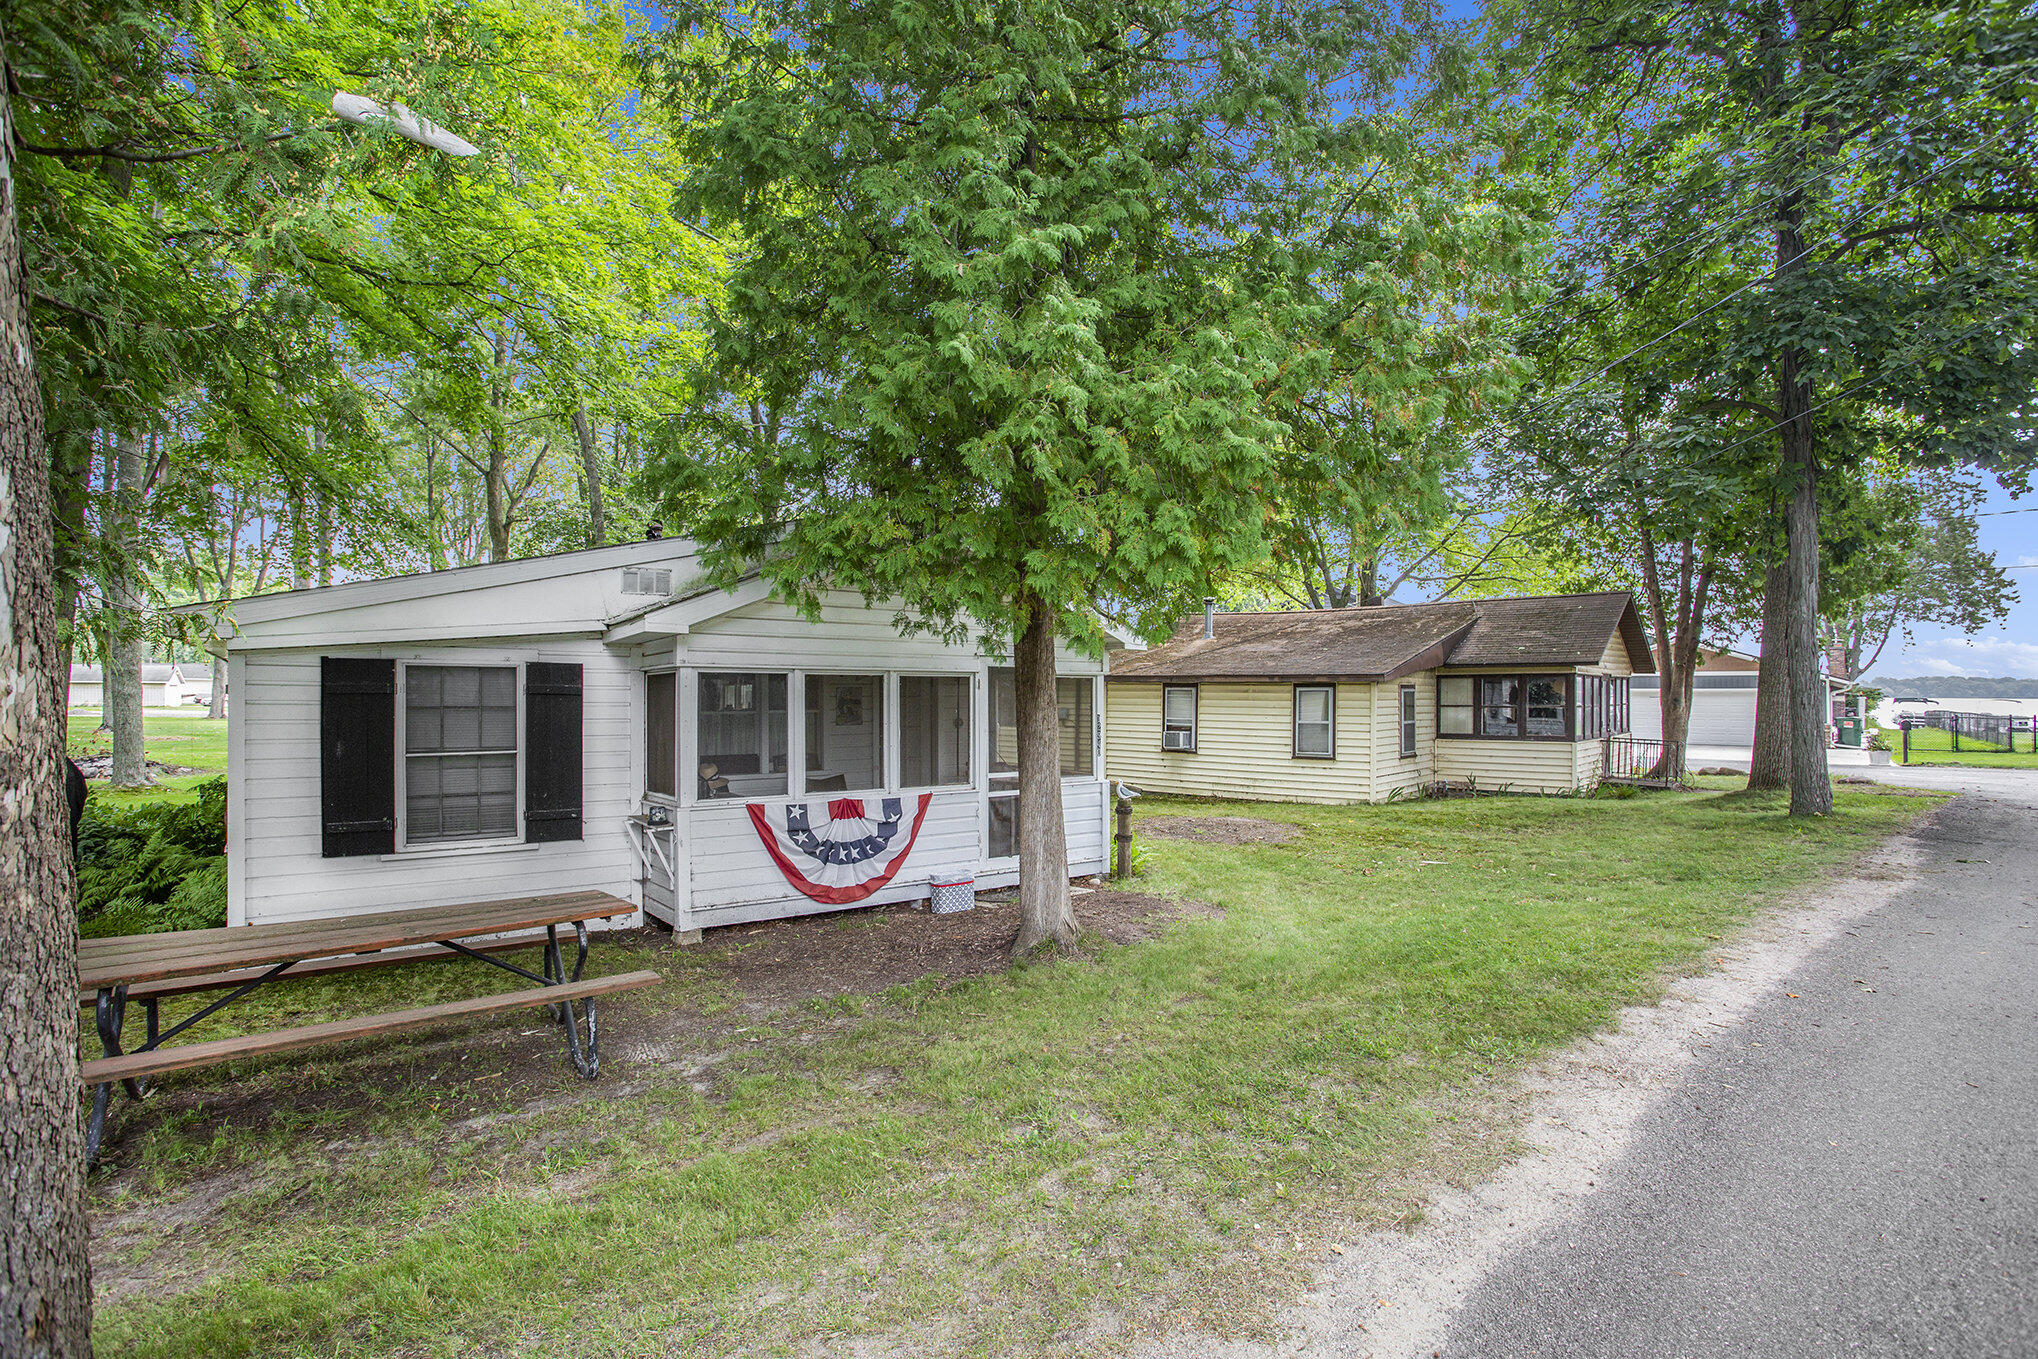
[{"x": 1853, "y": 1171}]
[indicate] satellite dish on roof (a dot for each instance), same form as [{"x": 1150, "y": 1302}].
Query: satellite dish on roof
[{"x": 360, "y": 109}]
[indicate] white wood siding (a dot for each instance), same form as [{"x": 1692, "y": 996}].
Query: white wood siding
[
  {"x": 1392, "y": 770},
  {"x": 1244, "y": 744},
  {"x": 275, "y": 870},
  {"x": 1512, "y": 766}
]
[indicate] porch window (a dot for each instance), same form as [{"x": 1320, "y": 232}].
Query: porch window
[
  {"x": 742, "y": 727},
  {"x": 1004, "y": 790},
  {"x": 661, "y": 733},
  {"x": 1454, "y": 705},
  {"x": 845, "y": 732},
  {"x": 460, "y": 753},
  {"x": 1315, "y": 722},
  {"x": 1407, "y": 721},
  {"x": 1178, "y": 718},
  {"x": 1500, "y": 706},
  {"x": 1547, "y": 706},
  {"x": 934, "y": 731}
]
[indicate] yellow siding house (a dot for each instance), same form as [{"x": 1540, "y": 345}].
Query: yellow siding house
[{"x": 1357, "y": 705}]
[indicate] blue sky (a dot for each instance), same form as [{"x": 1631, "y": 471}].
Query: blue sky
[{"x": 2011, "y": 649}]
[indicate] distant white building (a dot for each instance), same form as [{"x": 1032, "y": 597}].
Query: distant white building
[{"x": 163, "y": 685}]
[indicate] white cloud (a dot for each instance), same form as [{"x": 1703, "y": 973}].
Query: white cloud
[
  {"x": 2026, "y": 559},
  {"x": 1986, "y": 655}
]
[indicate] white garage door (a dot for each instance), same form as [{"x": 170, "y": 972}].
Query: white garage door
[{"x": 1719, "y": 717}]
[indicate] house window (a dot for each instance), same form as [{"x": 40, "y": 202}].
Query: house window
[
  {"x": 742, "y": 728},
  {"x": 845, "y": 732},
  {"x": 1547, "y": 706},
  {"x": 1620, "y": 705},
  {"x": 1004, "y": 781},
  {"x": 1075, "y": 724},
  {"x": 460, "y": 753},
  {"x": 661, "y": 733},
  {"x": 1454, "y": 705},
  {"x": 934, "y": 731},
  {"x": 1407, "y": 721},
  {"x": 1500, "y": 705},
  {"x": 1520, "y": 707},
  {"x": 1178, "y": 717},
  {"x": 1315, "y": 735}
]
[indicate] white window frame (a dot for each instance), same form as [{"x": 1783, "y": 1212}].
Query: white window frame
[
  {"x": 888, "y": 706},
  {"x": 690, "y": 731},
  {"x": 1195, "y": 718},
  {"x": 679, "y": 691},
  {"x": 1295, "y": 750},
  {"x": 403, "y": 757},
  {"x": 1406, "y": 715}
]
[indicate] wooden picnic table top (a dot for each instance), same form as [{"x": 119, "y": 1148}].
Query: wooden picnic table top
[{"x": 184, "y": 953}]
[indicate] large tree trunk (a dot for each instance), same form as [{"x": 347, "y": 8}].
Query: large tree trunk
[
  {"x": 1811, "y": 792},
  {"x": 1769, "y": 770},
  {"x": 496, "y": 486},
  {"x": 590, "y": 480},
  {"x": 1044, "y": 913},
  {"x": 127, "y": 646},
  {"x": 45, "y": 1280}
]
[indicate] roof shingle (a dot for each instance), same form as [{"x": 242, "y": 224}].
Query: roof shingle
[{"x": 1387, "y": 641}]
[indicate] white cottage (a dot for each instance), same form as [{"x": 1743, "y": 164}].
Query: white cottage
[{"x": 603, "y": 720}]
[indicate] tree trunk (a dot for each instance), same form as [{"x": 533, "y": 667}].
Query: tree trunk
[
  {"x": 590, "y": 480},
  {"x": 215, "y": 709},
  {"x": 45, "y": 1278},
  {"x": 1044, "y": 913},
  {"x": 1811, "y": 792},
  {"x": 127, "y": 646},
  {"x": 497, "y": 485},
  {"x": 1769, "y": 770}
]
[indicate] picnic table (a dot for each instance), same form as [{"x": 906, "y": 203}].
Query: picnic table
[{"x": 240, "y": 958}]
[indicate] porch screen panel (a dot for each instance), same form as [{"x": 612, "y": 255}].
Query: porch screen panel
[
  {"x": 1003, "y": 840},
  {"x": 1076, "y": 726},
  {"x": 742, "y": 726},
  {"x": 460, "y": 753},
  {"x": 845, "y": 732},
  {"x": 934, "y": 731},
  {"x": 661, "y": 733}
]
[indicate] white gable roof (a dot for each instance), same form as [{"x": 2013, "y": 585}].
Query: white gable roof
[{"x": 563, "y": 594}]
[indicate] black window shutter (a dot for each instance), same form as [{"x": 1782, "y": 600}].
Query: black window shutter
[
  {"x": 357, "y": 755},
  {"x": 551, "y": 752}
]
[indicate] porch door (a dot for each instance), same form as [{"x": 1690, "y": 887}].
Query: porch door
[{"x": 1003, "y": 835}]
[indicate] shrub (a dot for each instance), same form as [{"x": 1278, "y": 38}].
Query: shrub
[{"x": 160, "y": 867}]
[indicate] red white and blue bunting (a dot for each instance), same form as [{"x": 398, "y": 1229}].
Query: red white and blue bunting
[{"x": 843, "y": 856}]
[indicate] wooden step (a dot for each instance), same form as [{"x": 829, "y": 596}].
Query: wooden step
[
  {"x": 318, "y": 967},
  {"x": 188, "y": 1055}
]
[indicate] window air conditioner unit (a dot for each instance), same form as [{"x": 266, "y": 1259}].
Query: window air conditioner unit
[{"x": 1176, "y": 740}]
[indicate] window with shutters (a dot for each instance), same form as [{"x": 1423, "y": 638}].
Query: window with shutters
[{"x": 460, "y": 726}]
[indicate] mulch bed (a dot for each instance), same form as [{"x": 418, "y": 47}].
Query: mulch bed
[
  {"x": 101, "y": 767},
  {"x": 1220, "y": 830}
]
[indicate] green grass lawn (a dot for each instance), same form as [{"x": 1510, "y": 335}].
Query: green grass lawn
[
  {"x": 181, "y": 736},
  {"x": 1929, "y": 745},
  {"x": 1046, "y": 1160}
]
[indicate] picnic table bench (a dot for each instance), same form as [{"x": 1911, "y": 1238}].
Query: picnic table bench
[{"x": 240, "y": 958}]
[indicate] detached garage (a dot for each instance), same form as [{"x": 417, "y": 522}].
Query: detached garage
[{"x": 1722, "y": 702}]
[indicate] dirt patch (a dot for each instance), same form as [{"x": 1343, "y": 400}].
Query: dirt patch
[{"x": 1220, "y": 830}]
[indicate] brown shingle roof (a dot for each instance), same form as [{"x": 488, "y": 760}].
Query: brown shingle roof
[{"x": 1392, "y": 640}]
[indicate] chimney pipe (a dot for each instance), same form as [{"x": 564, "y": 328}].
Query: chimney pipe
[
  {"x": 653, "y": 531},
  {"x": 1209, "y": 616}
]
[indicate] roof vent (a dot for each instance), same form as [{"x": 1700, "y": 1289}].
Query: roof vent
[
  {"x": 645, "y": 580},
  {"x": 1209, "y": 616}
]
